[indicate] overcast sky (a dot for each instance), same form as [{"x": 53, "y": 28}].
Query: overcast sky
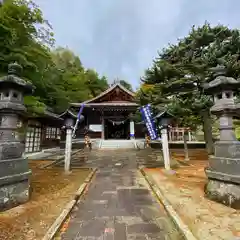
[{"x": 119, "y": 38}]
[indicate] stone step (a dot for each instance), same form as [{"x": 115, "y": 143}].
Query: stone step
[
  {"x": 73, "y": 164},
  {"x": 117, "y": 144}
]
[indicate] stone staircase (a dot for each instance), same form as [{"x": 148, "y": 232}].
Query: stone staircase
[
  {"x": 152, "y": 158},
  {"x": 77, "y": 160},
  {"x": 117, "y": 144}
]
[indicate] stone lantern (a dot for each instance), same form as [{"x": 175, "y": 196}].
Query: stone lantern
[
  {"x": 224, "y": 167},
  {"x": 14, "y": 170},
  {"x": 69, "y": 122}
]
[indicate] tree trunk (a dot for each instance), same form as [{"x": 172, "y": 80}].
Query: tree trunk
[
  {"x": 186, "y": 156},
  {"x": 207, "y": 129}
]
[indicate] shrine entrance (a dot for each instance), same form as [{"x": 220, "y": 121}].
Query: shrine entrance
[{"x": 116, "y": 129}]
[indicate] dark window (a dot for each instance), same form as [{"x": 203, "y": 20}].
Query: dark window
[
  {"x": 228, "y": 95},
  {"x": 15, "y": 95},
  {"x": 6, "y": 94}
]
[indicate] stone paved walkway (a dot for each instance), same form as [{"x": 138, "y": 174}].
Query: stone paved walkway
[{"x": 118, "y": 205}]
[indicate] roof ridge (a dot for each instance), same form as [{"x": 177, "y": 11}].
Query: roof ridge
[{"x": 109, "y": 90}]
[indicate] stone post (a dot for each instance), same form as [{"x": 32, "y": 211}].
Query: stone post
[
  {"x": 185, "y": 136},
  {"x": 165, "y": 148},
  {"x": 69, "y": 118},
  {"x": 14, "y": 169},
  {"x": 189, "y": 136},
  {"x": 69, "y": 123},
  {"x": 224, "y": 167},
  {"x": 68, "y": 149},
  {"x": 164, "y": 119},
  {"x": 103, "y": 128},
  {"x": 132, "y": 130}
]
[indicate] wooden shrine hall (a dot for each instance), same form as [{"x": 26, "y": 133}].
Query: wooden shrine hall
[{"x": 107, "y": 116}]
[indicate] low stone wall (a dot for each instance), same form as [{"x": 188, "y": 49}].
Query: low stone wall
[{"x": 75, "y": 145}]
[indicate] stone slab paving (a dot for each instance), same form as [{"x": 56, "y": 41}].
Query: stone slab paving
[{"x": 118, "y": 204}]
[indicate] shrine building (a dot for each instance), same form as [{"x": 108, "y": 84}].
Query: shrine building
[{"x": 108, "y": 115}]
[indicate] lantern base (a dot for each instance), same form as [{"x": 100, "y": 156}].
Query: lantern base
[
  {"x": 225, "y": 192},
  {"x": 226, "y": 169},
  {"x": 14, "y": 194},
  {"x": 227, "y": 149}
]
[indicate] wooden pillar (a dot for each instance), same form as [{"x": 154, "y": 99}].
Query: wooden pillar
[
  {"x": 132, "y": 130},
  {"x": 103, "y": 127}
]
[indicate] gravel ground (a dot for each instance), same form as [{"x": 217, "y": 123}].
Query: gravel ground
[
  {"x": 185, "y": 191},
  {"x": 51, "y": 191}
]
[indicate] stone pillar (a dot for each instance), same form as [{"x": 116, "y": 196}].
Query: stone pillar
[
  {"x": 103, "y": 128},
  {"x": 166, "y": 156},
  {"x": 68, "y": 149},
  {"x": 14, "y": 169},
  {"x": 224, "y": 167},
  {"x": 132, "y": 130},
  {"x": 164, "y": 119},
  {"x": 170, "y": 135},
  {"x": 189, "y": 136},
  {"x": 69, "y": 123},
  {"x": 186, "y": 156}
]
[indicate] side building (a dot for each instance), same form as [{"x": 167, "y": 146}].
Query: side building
[{"x": 42, "y": 132}]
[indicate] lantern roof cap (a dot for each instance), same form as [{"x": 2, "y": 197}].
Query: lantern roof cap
[
  {"x": 220, "y": 84},
  {"x": 13, "y": 79}
]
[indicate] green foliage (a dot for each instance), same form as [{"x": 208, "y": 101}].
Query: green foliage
[
  {"x": 70, "y": 81},
  {"x": 95, "y": 84},
  {"x": 34, "y": 105},
  {"x": 22, "y": 41},
  {"x": 127, "y": 85},
  {"x": 58, "y": 76},
  {"x": 178, "y": 73}
]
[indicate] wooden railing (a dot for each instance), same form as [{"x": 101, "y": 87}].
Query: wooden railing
[{"x": 176, "y": 134}]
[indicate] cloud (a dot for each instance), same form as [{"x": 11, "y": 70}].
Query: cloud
[{"x": 120, "y": 38}]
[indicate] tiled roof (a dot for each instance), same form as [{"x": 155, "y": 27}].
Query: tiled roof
[
  {"x": 51, "y": 114},
  {"x": 62, "y": 115},
  {"x": 106, "y": 92},
  {"x": 68, "y": 112},
  {"x": 109, "y": 104}
]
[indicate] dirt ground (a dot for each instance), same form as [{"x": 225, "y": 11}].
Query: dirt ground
[
  {"x": 185, "y": 191},
  {"x": 51, "y": 191}
]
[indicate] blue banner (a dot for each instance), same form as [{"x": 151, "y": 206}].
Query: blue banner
[
  {"x": 148, "y": 119},
  {"x": 80, "y": 112},
  {"x": 78, "y": 119}
]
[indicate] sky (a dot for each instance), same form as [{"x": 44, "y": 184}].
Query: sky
[{"x": 120, "y": 38}]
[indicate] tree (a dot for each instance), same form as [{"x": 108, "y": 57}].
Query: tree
[
  {"x": 67, "y": 80},
  {"x": 126, "y": 84},
  {"x": 58, "y": 76},
  {"x": 22, "y": 41},
  {"x": 70, "y": 82},
  {"x": 180, "y": 70},
  {"x": 95, "y": 84}
]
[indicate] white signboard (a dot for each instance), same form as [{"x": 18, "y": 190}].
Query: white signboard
[{"x": 95, "y": 127}]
